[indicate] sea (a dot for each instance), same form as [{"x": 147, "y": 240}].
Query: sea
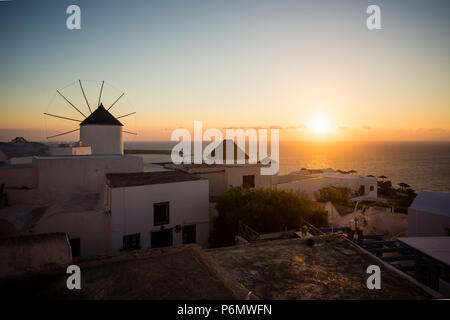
[{"x": 422, "y": 165}]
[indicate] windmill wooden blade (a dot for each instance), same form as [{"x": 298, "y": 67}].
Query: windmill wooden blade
[
  {"x": 84, "y": 95},
  {"x": 116, "y": 101},
  {"x": 126, "y": 115},
  {"x": 61, "y": 117},
  {"x": 98, "y": 116},
  {"x": 70, "y": 103},
  {"x": 100, "y": 96},
  {"x": 61, "y": 134}
]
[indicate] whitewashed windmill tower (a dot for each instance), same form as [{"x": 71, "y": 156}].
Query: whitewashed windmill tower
[
  {"x": 102, "y": 132},
  {"x": 100, "y": 129}
]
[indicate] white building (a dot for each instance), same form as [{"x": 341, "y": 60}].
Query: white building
[
  {"x": 102, "y": 132},
  {"x": 51, "y": 178},
  {"x": 364, "y": 188},
  {"x": 429, "y": 215},
  {"x": 222, "y": 176},
  {"x": 156, "y": 209},
  {"x": 76, "y": 149},
  {"x": 102, "y": 198}
]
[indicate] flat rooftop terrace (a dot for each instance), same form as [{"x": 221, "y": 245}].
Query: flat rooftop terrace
[
  {"x": 158, "y": 274},
  {"x": 86, "y": 156},
  {"x": 118, "y": 180},
  {"x": 436, "y": 247},
  {"x": 334, "y": 268},
  {"x": 293, "y": 178},
  {"x": 215, "y": 166}
]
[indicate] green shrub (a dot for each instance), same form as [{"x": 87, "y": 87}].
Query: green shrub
[
  {"x": 337, "y": 195},
  {"x": 264, "y": 210}
]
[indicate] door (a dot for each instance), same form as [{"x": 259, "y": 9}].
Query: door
[
  {"x": 189, "y": 234},
  {"x": 161, "y": 238},
  {"x": 75, "y": 245}
]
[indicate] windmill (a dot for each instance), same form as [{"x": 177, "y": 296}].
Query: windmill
[{"x": 98, "y": 126}]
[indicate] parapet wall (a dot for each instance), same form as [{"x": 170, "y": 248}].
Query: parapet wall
[{"x": 81, "y": 174}]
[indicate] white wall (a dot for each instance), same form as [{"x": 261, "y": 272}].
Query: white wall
[
  {"x": 353, "y": 182},
  {"x": 91, "y": 227},
  {"x": 425, "y": 224},
  {"x": 132, "y": 211},
  {"x": 311, "y": 184},
  {"x": 103, "y": 139},
  {"x": 235, "y": 174},
  {"x": 222, "y": 176},
  {"x": 70, "y": 151},
  {"x": 217, "y": 182},
  {"x": 59, "y": 175},
  {"x": 306, "y": 186},
  {"x": 18, "y": 177}
]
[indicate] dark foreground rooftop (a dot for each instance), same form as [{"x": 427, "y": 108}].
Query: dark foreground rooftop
[
  {"x": 334, "y": 268},
  {"x": 173, "y": 273}
]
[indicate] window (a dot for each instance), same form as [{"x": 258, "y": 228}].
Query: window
[
  {"x": 75, "y": 245},
  {"x": 132, "y": 242},
  {"x": 189, "y": 234},
  {"x": 448, "y": 232},
  {"x": 161, "y": 238},
  {"x": 248, "y": 181},
  {"x": 160, "y": 213},
  {"x": 372, "y": 188}
]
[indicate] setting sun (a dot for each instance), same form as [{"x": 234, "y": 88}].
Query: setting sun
[{"x": 320, "y": 125}]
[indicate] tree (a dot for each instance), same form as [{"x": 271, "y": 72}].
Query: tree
[
  {"x": 264, "y": 210},
  {"x": 382, "y": 178},
  {"x": 385, "y": 189},
  {"x": 337, "y": 195},
  {"x": 403, "y": 185},
  {"x": 346, "y": 172}
]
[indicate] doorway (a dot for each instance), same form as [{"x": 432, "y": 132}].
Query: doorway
[{"x": 161, "y": 238}]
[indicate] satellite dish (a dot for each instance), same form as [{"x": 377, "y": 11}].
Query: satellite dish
[{"x": 74, "y": 105}]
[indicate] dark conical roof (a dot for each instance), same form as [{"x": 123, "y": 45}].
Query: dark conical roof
[{"x": 101, "y": 116}]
